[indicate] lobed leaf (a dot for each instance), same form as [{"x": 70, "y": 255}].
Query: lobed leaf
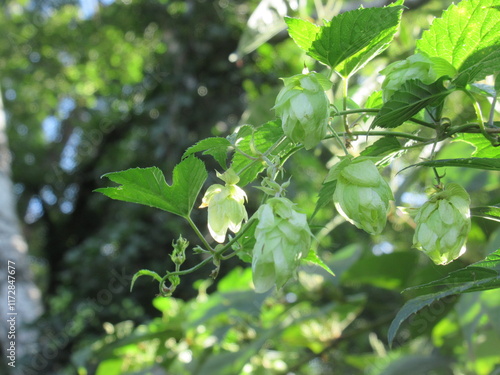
[
  {"x": 147, "y": 186},
  {"x": 467, "y": 36},
  {"x": 349, "y": 40}
]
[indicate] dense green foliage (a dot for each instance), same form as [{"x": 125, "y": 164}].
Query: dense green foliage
[{"x": 146, "y": 88}]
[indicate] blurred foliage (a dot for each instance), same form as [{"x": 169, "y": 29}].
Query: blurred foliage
[{"x": 135, "y": 83}]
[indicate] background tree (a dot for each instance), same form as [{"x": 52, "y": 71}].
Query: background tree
[{"x": 21, "y": 302}]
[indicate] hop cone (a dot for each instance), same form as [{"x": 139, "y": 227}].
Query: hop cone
[
  {"x": 304, "y": 108},
  {"x": 414, "y": 67},
  {"x": 443, "y": 223},
  {"x": 282, "y": 238},
  {"x": 362, "y": 195}
]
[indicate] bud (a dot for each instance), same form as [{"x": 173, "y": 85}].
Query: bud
[
  {"x": 225, "y": 204},
  {"x": 414, "y": 67},
  {"x": 304, "y": 108},
  {"x": 443, "y": 224},
  {"x": 282, "y": 238},
  {"x": 178, "y": 255},
  {"x": 362, "y": 195}
]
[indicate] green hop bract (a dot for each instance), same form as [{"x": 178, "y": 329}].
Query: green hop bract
[
  {"x": 443, "y": 223},
  {"x": 282, "y": 238},
  {"x": 414, "y": 67},
  {"x": 304, "y": 108},
  {"x": 225, "y": 204},
  {"x": 361, "y": 195}
]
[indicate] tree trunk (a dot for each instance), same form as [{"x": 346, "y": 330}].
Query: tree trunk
[{"x": 20, "y": 302}]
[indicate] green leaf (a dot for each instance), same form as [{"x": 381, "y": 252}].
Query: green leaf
[
  {"x": 389, "y": 271},
  {"x": 243, "y": 247},
  {"x": 110, "y": 367},
  {"x": 443, "y": 68},
  {"x": 468, "y": 37},
  {"x": 411, "y": 98},
  {"x": 302, "y": 32},
  {"x": 215, "y": 146},
  {"x": 140, "y": 273},
  {"x": 255, "y": 142},
  {"x": 375, "y": 100},
  {"x": 312, "y": 257},
  {"x": 382, "y": 146},
  {"x": 351, "y": 39},
  {"x": 148, "y": 186},
  {"x": 479, "y": 163},
  {"x": 325, "y": 195},
  {"x": 483, "y": 275},
  {"x": 488, "y": 212},
  {"x": 484, "y": 148}
]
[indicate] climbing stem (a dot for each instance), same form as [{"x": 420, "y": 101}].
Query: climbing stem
[
  {"x": 339, "y": 139},
  {"x": 199, "y": 234}
]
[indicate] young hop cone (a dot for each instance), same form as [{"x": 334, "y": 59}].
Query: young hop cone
[
  {"x": 362, "y": 195},
  {"x": 414, "y": 67},
  {"x": 443, "y": 224},
  {"x": 304, "y": 108},
  {"x": 225, "y": 204},
  {"x": 282, "y": 238}
]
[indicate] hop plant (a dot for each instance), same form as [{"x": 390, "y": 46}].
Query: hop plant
[
  {"x": 282, "y": 238},
  {"x": 225, "y": 204},
  {"x": 361, "y": 195},
  {"x": 443, "y": 224},
  {"x": 414, "y": 67},
  {"x": 304, "y": 108}
]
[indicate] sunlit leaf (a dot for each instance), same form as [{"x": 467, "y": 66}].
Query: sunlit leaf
[
  {"x": 302, "y": 32},
  {"x": 484, "y": 148},
  {"x": 352, "y": 38},
  {"x": 110, "y": 367},
  {"x": 313, "y": 258},
  {"x": 215, "y": 146},
  {"x": 468, "y": 37},
  {"x": 148, "y": 186}
]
